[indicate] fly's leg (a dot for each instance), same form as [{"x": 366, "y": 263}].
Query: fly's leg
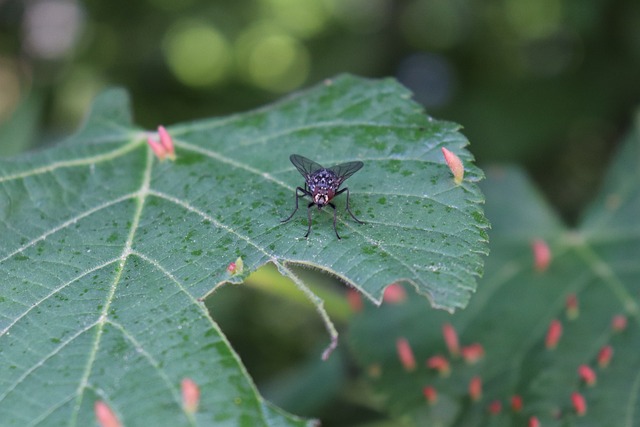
[
  {"x": 349, "y": 210},
  {"x": 304, "y": 193},
  {"x": 334, "y": 220},
  {"x": 309, "y": 218}
]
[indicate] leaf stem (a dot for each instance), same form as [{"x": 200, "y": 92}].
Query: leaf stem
[{"x": 319, "y": 305}]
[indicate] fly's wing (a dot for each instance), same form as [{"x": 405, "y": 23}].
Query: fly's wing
[
  {"x": 345, "y": 170},
  {"x": 305, "y": 166}
]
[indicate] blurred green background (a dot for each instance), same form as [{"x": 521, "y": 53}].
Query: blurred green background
[{"x": 549, "y": 84}]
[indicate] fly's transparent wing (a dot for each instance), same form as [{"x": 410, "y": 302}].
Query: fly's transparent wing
[
  {"x": 305, "y": 166},
  {"x": 345, "y": 170}
]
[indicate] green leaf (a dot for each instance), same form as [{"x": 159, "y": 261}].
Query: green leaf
[
  {"x": 513, "y": 309},
  {"x": 106, "y": 252}
]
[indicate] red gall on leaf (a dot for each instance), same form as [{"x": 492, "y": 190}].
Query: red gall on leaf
[
  {"x": 553, "y": 334},
  {"x": 190, "y": 395},
  {"x": 355, "y": 300},
  {"x": 619, "y": 323},
  {"x": 105, "y": 415},
  {"x": 516, "y": 403},
  {"x": 579, "y": 404},
  {"x": 237, "y": 267},
  {"x": 472, "y": 353},
  {"x": 604, "y": 356},
  {"x": 533, "y": 422},
  {"x": 475, "y": 388},
  {"x": 455, "y": 164},
  {"x": 394, "y": 294},
  {"x": 430, "y": 394},
  {"x": 495, "y": 407},
  {"x": 165, "y": 139},
  {"x": 405, "y": 354},
  {"x": 451, "y": 339},
  {"x": 572, "y": 307},
  {"x": 587, "y": 374},
  {"x": 163, "y": 148},
  {"x": 541, "y": 255},
  {"x": 440, "y": 364},
  {"x": 157, "y": 148}
]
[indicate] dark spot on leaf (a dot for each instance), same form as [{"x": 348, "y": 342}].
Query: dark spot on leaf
[
  {"x": 189, "y": 158},
  {"x": 382, "y": 200},
  {"x": 197, "y": 252},
  {"x": 368, "y": 250},
  {"x": 189, "y": 236},
  {"x": 378, "y": 145},
  {"x": 478, "y": 217},
  {"x": 112, "y": 238},
  {"x": 392, "y": 166}
]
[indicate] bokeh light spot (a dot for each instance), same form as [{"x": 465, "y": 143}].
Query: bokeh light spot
[
  {"x": 272, "y": 60},
  {"x": 197, "y": 53},
  {"x": 76, "y": 94},
  {"x": 534, "y": 19},
  {"x": 430, "y": 77},
  {"x": 300, "y": 18},
  {"x": 51, "y": 28},
  {"x": 10, "y": 91}
]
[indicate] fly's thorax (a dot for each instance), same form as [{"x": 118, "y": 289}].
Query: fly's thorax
[
  {"x": 323, "y": 185},
  {"x": 323, "y": 178}
]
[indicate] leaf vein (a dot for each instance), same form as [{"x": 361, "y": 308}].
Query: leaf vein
[
  {"x": 68, "y": 223},
  {"x": 56, "y": 291},
  {"x": 120, "y": 151}
]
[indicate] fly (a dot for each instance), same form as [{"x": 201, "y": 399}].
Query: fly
[{"x": 322, "y": 185}]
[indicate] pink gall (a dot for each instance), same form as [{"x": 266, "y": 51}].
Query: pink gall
[
  {"x": 105, "y": 415},
  {"x": 455, "y": 165},
  {"x": 405, "y": 354}
]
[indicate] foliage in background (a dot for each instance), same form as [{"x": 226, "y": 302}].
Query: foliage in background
[{"x": 539, "y": 329}]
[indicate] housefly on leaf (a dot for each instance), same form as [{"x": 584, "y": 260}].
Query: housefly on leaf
[{"x": 322, "y": 185}]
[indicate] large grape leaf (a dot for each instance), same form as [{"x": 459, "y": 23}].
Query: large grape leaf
[
  {"x": 597, "y": 263},
  {"x": 106, "y": 252}
]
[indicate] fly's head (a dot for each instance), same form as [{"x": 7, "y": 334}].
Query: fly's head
[{"x": 323, "y": 184}]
